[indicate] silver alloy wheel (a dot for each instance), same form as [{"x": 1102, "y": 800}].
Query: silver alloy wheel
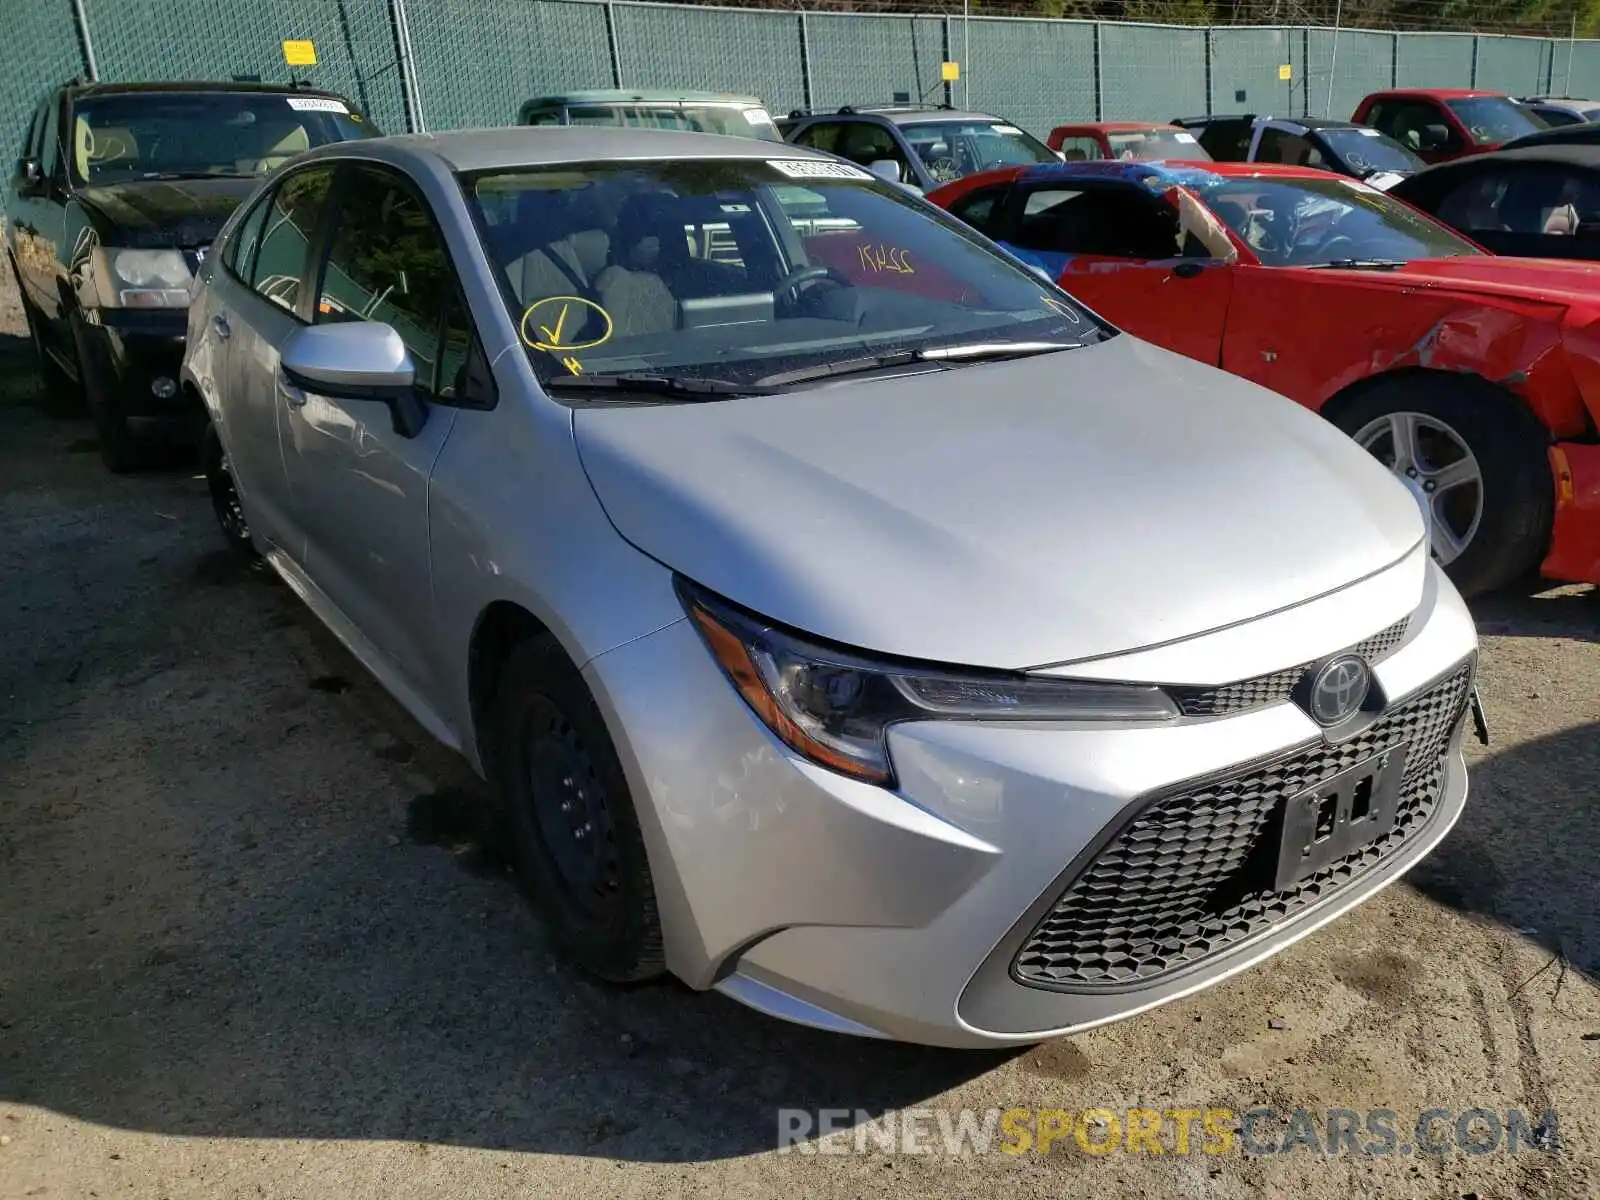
[{"x": 1422, "y": 447}]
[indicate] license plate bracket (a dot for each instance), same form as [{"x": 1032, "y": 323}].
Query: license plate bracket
[{"x": 1339, "y": 816}]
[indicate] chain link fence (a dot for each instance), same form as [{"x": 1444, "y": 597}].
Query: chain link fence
[{"x": 445, "y": 64}]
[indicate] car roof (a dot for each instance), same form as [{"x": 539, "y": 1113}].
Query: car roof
[
  {"x": 1175, "y": 171},
  {"x": 1558, "y": 153},
  {"x": 1118, "y": 126},
  {"x": 641, "y": 96},
  {"x": 196, "y": 85},
  {"x": 553, "y": 145},
  {"x": 1319, "y": 122},
  {"x": 1435, "y": 93}
]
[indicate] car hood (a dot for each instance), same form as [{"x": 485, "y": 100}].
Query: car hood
[
  {"x": 161, "y": 212},
  {"x": 1012, "y": 514}
]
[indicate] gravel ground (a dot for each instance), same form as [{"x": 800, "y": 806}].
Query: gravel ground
[{"x": 256, "y": 938}]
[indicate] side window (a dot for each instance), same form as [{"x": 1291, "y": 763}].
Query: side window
[
  {"x": 980, "y": 208},
  {"x": 290, "y": 219},
  {"x": 824, "y": 135},
  {"x": 866, "y": 143},
  {"x": 1474, "y": 206},
  {"x": 1541, "y": 201},
  {"x": 541, "y": 116},
  {"x": 387, "y": 262},
  {"x": 1080, "y": 149},
  {"x": 1414, "y": 125},
  {"x": 1557, "y": 116},
  {"x": 1279, "y": 146},
  {"x": 1116, "y": 222},
  {"x": 239, "y": 255},
  {"x": 50, "y": 161}
]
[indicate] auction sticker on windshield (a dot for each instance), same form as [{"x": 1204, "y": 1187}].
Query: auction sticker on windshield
[
  {"x": 317, "y": 104},
  {"x": 811, "y": 168}
]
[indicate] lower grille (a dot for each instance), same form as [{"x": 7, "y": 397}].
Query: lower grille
[
  {"x": 1191, "y": 875},
  {"x": 1276, "y": 687}
]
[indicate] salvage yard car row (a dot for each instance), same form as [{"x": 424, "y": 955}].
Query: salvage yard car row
[{"x": 878, "y": 607}]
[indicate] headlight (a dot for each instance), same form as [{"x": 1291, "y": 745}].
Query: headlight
[
  {"x": 835, "y": 707},
  {"x": 144, "y": 278}
]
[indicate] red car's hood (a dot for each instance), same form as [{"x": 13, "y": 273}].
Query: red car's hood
[{"x": 1559, "y": 281}]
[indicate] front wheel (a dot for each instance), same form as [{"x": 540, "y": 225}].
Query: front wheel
[
  {"x": 580, "y": 854},
  {"x": 1482, "y": 460}
]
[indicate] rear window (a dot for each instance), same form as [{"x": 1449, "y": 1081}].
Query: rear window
[{"x": 1148, "y": 145}]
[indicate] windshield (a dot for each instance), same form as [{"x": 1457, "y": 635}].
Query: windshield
[
  {"x": 1367, "y": 151},
  {"x": 144, "y": 135},
  {"x": 1491, "y": 119},
  {"x": 1323, "y": 222},
  {"x": 1149, "y": 145},
  {"x": 953, "y": 149},
  {"x": 735, "y": 120},
  {"x": 735, "y": 270}
]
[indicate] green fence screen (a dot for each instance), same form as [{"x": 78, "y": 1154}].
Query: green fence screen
[{"x": 450, "y": 64}]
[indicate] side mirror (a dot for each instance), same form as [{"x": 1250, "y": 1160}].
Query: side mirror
[
  {"x": 885, "y": 169},
  {"x": 1434, "y": 137},
  {"x": 28, "y": 179},
  {"x": 357, "y": 360}
]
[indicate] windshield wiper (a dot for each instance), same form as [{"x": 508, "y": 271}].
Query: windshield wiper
[
  {"x": 1363, "y": 264},
  {"x": 976, "y": 350},
  {"x": 969, "y": 351},
  {"x": 171, "y": 175},
  {"x": 683, "y": 386}
]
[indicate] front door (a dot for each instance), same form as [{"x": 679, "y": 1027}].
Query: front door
[
  {"x": 360, "y": 489},
  {"x": 268, "y": 264},
  {"x": 1160, "y": 272}
]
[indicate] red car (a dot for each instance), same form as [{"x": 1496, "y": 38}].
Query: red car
[
  {"x": 1143, "y": 140},
  {"x": 1444, "y": 123},
  {"x": 1477, "y": 378}
]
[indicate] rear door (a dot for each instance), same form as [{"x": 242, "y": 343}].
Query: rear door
[
  {"x": 360, "y": 489},
  {"x": 1157, "y": 270},
  {"x": 269, "y": 300}
]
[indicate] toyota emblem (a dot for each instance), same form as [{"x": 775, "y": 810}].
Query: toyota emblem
[{"x": 1339, "y": 689}]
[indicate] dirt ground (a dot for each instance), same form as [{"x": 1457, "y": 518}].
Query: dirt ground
[{"x": 256, "y": 939}]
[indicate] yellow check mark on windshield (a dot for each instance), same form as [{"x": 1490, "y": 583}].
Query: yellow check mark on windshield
[{"x": 552, "y": 338}]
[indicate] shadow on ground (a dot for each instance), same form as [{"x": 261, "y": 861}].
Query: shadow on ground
[{"x": 1523, "y": 853}]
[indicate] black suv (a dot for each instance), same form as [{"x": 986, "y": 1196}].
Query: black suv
[
  {"x": 118, "y": 191},
  {"x": 927, "y": 147}
]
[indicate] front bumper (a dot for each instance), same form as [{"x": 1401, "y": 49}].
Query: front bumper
[
  {"x": 131, "y": 349},
  {"x": 1575, "y": 536},
  {"x": 897, "y": 914}
]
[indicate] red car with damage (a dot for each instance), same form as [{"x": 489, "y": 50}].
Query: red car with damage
[
  {"x": 1477, "y": 378},
  {"x": 1439, "y": 124},
  {"x": 1146, "y": 141}
]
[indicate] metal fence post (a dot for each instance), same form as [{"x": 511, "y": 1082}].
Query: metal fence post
[
  {"x": 946, "y": 54},
  {"x": 1099, "y": 85},
  {"x": 1472, "y": 73},
  {"x": 1211, "y": 48},
  {"x": 408, "y": 74},
  {"x": 611, "y": 41},
  {"x": 805, "y": 63},
  {"x": 1394, "y": 59},
  {"x": 85, "y": 43}
]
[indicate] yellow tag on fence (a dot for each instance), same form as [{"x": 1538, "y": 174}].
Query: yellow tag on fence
[
  {"x": 300, "y": 54},
  {"x": 950, "y": 71},
  {"x": 1286, "y": 72}
]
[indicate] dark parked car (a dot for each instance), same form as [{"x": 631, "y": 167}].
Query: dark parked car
[
  {"x": 1537, "y": 202},
  {"x": 1564, "y": 135},
  {"x": 925, "y": 147},
  {"x": 1559, "y": 111},
  {"x": 1342, "y": 147},
  {"x": 117, "y": 193}
]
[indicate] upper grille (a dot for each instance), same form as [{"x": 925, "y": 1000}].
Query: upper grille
[
  {"x": 1276, "y": 687},
  {"x": 1192, "y": 874}
]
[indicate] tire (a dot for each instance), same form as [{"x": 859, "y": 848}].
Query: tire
[
  {"x": 61, "y": 390},
  {"x": 224, "y": 496},
  {"x": 119, "y": 450},
  {"x": 579, "y": 852},
  {"x": 1505, "y": 444}
]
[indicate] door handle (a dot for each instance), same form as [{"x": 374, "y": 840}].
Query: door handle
[
  {"x": 223, "y": 329},
  {"x": 292, "y": 396}
]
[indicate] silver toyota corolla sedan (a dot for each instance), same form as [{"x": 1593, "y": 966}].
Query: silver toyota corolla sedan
[{"x": 847, "y": 619}]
